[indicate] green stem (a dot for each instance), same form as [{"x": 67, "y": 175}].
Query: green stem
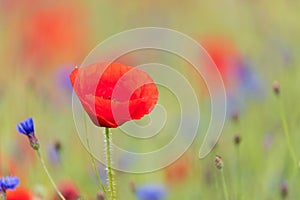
[
  {"x": 109, "y": 168},
  {"x": 224, "y": 185},
  {"x": 287, "y": 135},
  {"x": 48, "y": 174},
  {"x": 238, "y": 173},
  {"x": 93, "y": 159}
]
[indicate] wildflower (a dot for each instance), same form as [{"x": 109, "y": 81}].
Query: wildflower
[
  {"x": 222, "y": 50},
  {"x": 249, "y": 81},
  {"x": 242, "y": 82},
  {"x": 8, "y": 183},
  {"x": 235, "y": 116},
  {"x": 54, "y": 150},
  {"x": 219, "y": 163},
  {"x": 52, "y": 31},
  {"x": 19, "y": 193},
  {"x": 284, "y": 189},
  {"x": 69, "y": 191},
  {"x": 276, "y": 87},
  {"x": 101, "y": 172},
  {"x": 208, "y": 176},
  {"x": 237, "y": 139},
  {"x": 132, "y": 186},
  {"x": 112, "y": 93},
  {"x": 62, "y": 78},
  {"x": 178, "y": 171},
  {"x": 26, "y": 127},
  {"x": 100, "y": 196},
  {"x": 151, "y": 192}
]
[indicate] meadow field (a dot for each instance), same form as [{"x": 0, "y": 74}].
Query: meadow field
[{"x": 255, "y": 46}]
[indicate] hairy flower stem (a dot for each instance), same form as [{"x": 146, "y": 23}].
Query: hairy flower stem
[
  {"x": 226, "y": 196},
  {"x": 287, "y": 135},
  {"x": 48, "y": 174},
  {"x": 93, "y": 158},
  {"x": 109, "y": 170}
]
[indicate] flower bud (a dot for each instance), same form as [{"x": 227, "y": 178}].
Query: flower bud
[
  {"x": 132, "y": 186},
  {"x": 218, "y": 162},
  {"x": 276, "y": 87},
  {"x": 100, "y": 196},
  {"x": 284, "y": 189},
  {"x": 237, "y": 139}
]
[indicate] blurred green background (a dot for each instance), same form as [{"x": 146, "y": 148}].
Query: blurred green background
[{"x": 42, "y": 40}]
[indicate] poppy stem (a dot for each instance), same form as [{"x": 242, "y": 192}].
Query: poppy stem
[
  {"x": 93, "y": 158},
  {"x": 109, "y": 170},
  {"x": 48, "y": 174}
]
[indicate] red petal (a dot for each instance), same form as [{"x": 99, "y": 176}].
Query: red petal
[{"x": 114, "y": 93}]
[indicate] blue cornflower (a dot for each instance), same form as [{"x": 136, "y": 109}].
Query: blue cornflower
[
  {"x": 8, "y": 183},
  {"x": 250, "y": 81},
  {"x": 26, "y": 127},
  {"x": 151, "y": 192}
]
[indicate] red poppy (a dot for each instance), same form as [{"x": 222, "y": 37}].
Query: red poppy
[
  {"x": 112, "y": 93},
  {"x": 224, "y": 54},
  {"x": 19, "y": 193},
  {"x": 69, "y": 190},
  {"x": 178, "y": 171},
  {"x": 222, "y": 50},
  {"x": 52, "y": 35}
]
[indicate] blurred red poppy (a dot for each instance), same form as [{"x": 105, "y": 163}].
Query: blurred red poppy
[
  {"x": 69, "y": 190},
  {"x": 54, "y": 34},
  {"x": 112, "y": 93},
  {"x": 18, "y": 194},
  {"x": 178, "y": 171},
  {"x": 223, "y": 52},
  {"x": 10, "y": 7}
]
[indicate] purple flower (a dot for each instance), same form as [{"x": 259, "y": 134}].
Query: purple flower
[
  {"x": 62, "y": 78},
  {"x": 26, "y": 127},
  {"x": 8, "y": 183},
  {"x": 54, "y": 150},
  {"x": 101, "y": 172},
  {"x": 248, "y": 86},
  {"x": 250, "y": 81},
  {"x": 151, "y": 192}
]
